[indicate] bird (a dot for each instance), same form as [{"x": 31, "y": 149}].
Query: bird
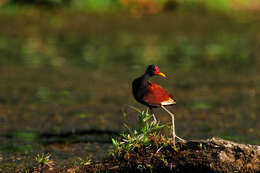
[{"x": 153, "y": 95}]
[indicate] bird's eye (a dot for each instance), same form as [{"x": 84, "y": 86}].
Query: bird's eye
[{"x": 156, "y": 68}]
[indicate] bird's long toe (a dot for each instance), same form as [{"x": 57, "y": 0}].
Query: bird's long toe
[
  {"x": 154, "y": 119},
  {"x": 180, "y": 139}
]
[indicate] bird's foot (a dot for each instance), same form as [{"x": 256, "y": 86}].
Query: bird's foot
[
  {"x": 154, "y": 119},
  {"x": 180, "y": 139},
  {"x": 173, "y": 141}
]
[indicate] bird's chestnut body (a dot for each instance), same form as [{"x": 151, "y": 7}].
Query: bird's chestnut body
[
  {"x": 153, "y": 95},
  {"x": 149, "y": 93}
]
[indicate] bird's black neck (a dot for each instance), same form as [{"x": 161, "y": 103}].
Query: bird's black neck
[
  {"x": 145, "y": 78},
  {"x": 139, "y": 86}
]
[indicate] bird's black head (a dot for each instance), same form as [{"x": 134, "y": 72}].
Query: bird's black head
[{"x": 154, "y": 70}]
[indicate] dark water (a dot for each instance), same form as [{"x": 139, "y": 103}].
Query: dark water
[{"x": 66, "y": 81}]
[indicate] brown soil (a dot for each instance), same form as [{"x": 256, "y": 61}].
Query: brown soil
[{"x": 212, "y": 155}]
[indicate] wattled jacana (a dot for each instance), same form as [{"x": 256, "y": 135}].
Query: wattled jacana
[{"x": 153, "y": 95}]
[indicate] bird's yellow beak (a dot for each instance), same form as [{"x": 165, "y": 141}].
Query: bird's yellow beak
[{"x": 161, "y": 74}]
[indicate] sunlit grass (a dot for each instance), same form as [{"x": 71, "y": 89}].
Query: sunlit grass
[
  {"x": 83, "y": 161},
  {"x": 44, "y": 160},
  {"x": 146, "y": 136}
]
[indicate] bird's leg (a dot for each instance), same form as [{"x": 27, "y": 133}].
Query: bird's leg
[
  {"x": 154, "y": 119},
  {"x": 173, "y": 126}
]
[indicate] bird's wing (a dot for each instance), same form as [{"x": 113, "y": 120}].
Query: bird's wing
[{"x": 156, "y": 95}]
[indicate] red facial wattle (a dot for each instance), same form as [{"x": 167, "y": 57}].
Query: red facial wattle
[{"x": 157, "y": 72}]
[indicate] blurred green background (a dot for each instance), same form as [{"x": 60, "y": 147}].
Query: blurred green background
[{"x": 66, "y": 68}]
